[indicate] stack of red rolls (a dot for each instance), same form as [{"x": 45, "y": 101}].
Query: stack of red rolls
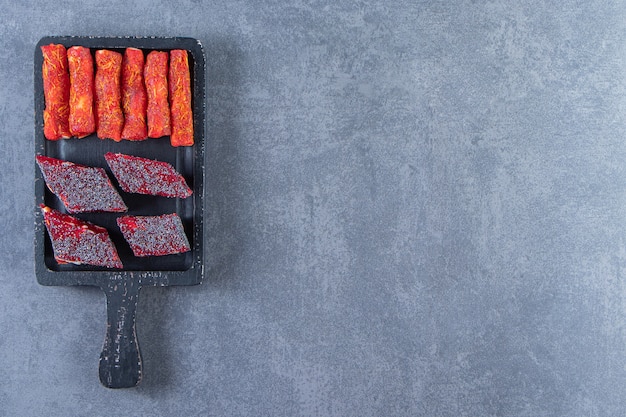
[{"x": 129, "y": 96}]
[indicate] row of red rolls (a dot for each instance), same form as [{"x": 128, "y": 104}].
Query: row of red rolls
[{"x": 128, "y": 97}]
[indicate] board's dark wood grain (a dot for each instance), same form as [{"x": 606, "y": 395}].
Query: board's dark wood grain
[{"x": 120, "y": 360}]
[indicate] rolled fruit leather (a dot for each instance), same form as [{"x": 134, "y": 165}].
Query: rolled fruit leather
[
  {"x": 180, "y": 99},
  {"x": 56, "y": 90},
  {"x": 82, "y": 120},
  {"x": 134, "y": 99},
  {"x": 158, "y": 111},
  {"x": 109, "y": 94}
]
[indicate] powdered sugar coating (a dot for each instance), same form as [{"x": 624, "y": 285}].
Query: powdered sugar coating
[
  {"x": 147, "y": 176},
  {"x": 154, "y": 235},
  {"x": 79, "y": 242},
  {"x": 80, "y": 188}
]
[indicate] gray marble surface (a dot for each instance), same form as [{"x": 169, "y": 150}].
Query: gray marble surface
[{"x": 414, "y": 208}]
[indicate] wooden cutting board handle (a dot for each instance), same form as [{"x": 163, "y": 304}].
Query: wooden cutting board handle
[{"x": 120, "y": 360}]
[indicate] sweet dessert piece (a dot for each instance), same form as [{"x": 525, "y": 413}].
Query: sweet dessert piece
[
  {"x": 147, "y": 176},
  {"x": 154, "y": 235},
  {"x": 158, "y": 112},
  {"x": 109, "y": 94},
  {"x": 81, "y": 119},
  {"x": 80, "y": 188},
  {"x": 134, "y": 99},
  {"x": 56, "y": 91},
  {"x": 79, "y": 242},
  {"x": 180, "y": 99}
]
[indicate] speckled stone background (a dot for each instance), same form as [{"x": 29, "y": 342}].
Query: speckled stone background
[{"x": 414, "y": 208}]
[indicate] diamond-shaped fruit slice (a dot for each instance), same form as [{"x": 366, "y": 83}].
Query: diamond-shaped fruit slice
[
  {"x": 154, "y": 235},
  {"x": 147, "y": 176},
  {"x": 81, "y": 188},
  {"x": 79, "y": 242}
]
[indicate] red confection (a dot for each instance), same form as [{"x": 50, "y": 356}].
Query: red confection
[
  {"x": 80, "y": 188},
  {"x": 158, "y": 113},
  {"x": 134, "y": 99},
  {"x": 154, "y": 235},
  {"x": 180, "y": 99},
  {"x": 56, "y": 91},
  {"x": 79, "y": 242},
  {"x": 82, "y": 119},
  {"x": 109, "y": 95},
  {"x": 147, "y": 176}
]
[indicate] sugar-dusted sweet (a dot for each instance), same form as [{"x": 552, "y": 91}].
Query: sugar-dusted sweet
[
  {"x": 79, "y": 242},
  {"x": 147, "y": 176},
  {"x": 154, "y": 235},
  {"x": 81, "y": 188}
]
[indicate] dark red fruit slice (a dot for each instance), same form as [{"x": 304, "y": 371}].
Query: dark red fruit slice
[
  {"x": 154, "y": 235},
  {"x": 79, "y": 242},
  {"x": 147, "y": 176},
  {"x": 80, "y": 188}
]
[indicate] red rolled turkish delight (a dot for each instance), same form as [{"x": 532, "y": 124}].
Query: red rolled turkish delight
[
  {"x": 82, "y": 120},
  {"x": 180, "y": 99},
  {"x": 134, "y": 99},
  {"x": 109, "y": 94},
  {"x": 56, "y": 91},
  {"x": 158, "y": 111}
]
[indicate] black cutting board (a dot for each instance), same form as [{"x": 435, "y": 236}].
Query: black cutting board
[{"x": 120, "y": 361}]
